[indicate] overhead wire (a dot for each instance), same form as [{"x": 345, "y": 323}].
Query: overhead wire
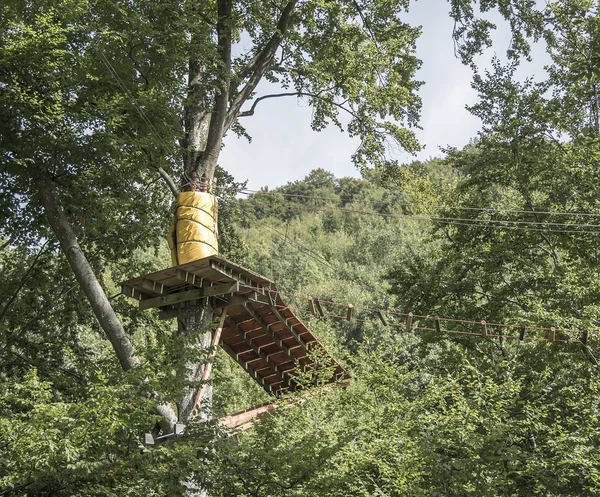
[
  {"x": 302, "y": 247},
  {"x": 424, "y": 317},
  {"x": 246, "y": 191},
  {"x": 533, "y": 226},
  {"x": 129, "y": 95}
]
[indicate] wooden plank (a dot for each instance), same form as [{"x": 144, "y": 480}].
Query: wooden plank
[
  {"x": 409, "y": 318},
  {"x": 233, "y": 271},
  {"x": 174, "y": 298},
  {"x": 211, "y": 291},
  {"x": 275, "y": 338},
  {"x": 319, "y": 308},
  {"x": 259, "y": 379},
  {"x": 228, "y": 273},
  {"x": 349, "y": 312},
  {"x": 289, "y": 327},
  {"x": 188, "y": 295},
  {"x": 154, "y": 286},
  {"x": 382, "y": 317},
  {"x": 132, "y": 292},
  {"x": 189, "y": 278},
  {"x": 286, "y": 376},
  {"x": 240, "y": 300},
  {"x": 311, "y": 306}
]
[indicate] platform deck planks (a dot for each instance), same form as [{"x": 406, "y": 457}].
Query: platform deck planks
[{"x": 261, "y": 333}]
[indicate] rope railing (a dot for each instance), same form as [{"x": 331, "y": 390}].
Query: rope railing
[{"x": 411, "y": 322}]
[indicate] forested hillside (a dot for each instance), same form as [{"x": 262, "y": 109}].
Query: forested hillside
[
  {"x": 461, "y": 293},
  {"x": 427, "y": 413}
]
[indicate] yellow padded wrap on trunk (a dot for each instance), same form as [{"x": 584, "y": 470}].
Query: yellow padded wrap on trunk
[{"x": 193, "y": 234}]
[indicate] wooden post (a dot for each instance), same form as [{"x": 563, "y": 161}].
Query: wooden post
[
  {"x": 552, "y": 334},
  {"x": 208, "y": 366},
  {"x": 522, "y": 332},
  {"x": 438, "y": 327},
  {"x": 311, "y": 306},
  {"x": 349, "y": 312},
  {"x": 409, "y": 321},
  {"x": 484, "y": 328}
]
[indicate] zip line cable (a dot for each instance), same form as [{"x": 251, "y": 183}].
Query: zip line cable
[
  {"x": 521, "y": 328},
  {"x": 441, "y": 218},
  {"x": 132, "y": 99},
  {"x": 248, "y": 192},
  {"x": 481, "y": 223},
  {"x": 318, "y": 258},
  {"x": 302, "y": 247},
  {"x": 128, "y": 94}
]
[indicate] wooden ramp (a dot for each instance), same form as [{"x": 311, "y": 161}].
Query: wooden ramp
[{"x": 260, "y": 333}]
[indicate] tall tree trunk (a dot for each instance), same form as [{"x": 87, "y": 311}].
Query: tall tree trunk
[
  {"x": 203, "y": 140},
  {"x": 88, "y": 282},
  {"x": 82, "y": 270},
  {"x": 194, "y": 321}
]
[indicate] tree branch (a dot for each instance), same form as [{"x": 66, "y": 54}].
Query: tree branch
[
  {"x": 208, "y": 160},
  {"x": 163, "y": 174},
  {"x": 318, "y": 95},
  {"x": 168, "y": 180},
  {"x": 256, "y": 67}
]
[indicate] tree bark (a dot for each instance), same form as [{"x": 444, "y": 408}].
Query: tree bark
[
  {"x": 82, "y": 270},
  {"x": 194, "y": 322},
  {"x": 88, "y": 282}
]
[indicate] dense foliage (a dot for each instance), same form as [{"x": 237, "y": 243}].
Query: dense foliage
[{"x": 503, "y": 230}]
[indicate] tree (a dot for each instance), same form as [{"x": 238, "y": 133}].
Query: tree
[{"x": 97, "y": 99}]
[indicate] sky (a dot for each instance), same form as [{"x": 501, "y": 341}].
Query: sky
[{"x": 284, "y": 148}]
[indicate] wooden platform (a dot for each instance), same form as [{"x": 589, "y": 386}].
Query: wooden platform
[{"x": 261, "y": 333}]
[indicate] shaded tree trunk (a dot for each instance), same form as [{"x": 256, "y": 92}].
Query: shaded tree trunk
[
  {"x": 88, "y": 282},
  {"x": 194, "y": 321}
]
